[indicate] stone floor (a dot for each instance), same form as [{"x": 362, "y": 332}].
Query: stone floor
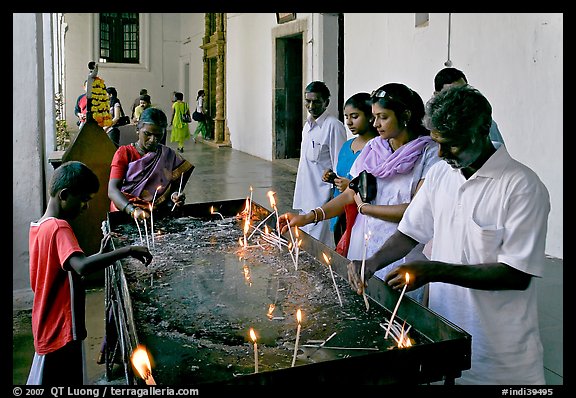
[{"x": 222, "y": 174}]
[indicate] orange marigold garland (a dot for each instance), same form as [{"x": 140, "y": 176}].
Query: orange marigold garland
[{"x": 100, "y": 103}]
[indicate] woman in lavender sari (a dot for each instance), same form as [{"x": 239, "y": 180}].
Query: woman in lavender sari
[
  {"x": 147, "y": 171},
  {"x": 399, "y": 158}
]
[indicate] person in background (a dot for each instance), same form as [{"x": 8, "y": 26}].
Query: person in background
[
  {"x": 488, "y": 214},
  {"x": 449, "y": 77},
  {"x": 116, "y": 112},
  {"x": 322, "y": 138},
  {"x": 399, "y": 159},
  {"x": 200, "y": 116},
  {"x": 80, "y": 107},
  {"x": 137, "y": 102},
  {"x": 143, "y": 103},
  {"x": 57, "y": 266},
  {"x": 358, "y": 116},
  {"x": 180, "y": 129},
  {"x": 146, "y": 170}
]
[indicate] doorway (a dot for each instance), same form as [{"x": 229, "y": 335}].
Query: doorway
[{"x": 288, "y": 97}]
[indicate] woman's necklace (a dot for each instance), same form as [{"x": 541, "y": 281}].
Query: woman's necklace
[{"x": 139, "y": 148}]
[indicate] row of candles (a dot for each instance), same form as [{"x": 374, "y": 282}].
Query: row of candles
[{"x": 140, "y": 357}]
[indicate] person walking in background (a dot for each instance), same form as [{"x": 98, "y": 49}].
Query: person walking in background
[
  {"x": 199, "y": 116},
  {"x": 137, "y": 102},
  {"x": 80, "y": 107},
  {"x": 180, "y": 129},
  {"x": 449, "y": 77},
  {"x": 144, "y": 102},
  {"x": 488, "y": 214},
  {"x": 118, "y": 117},
  {"x": 322, "y": 138},
  {"x": 57, "y": 266},
  {"x": 358, "y": 116}
]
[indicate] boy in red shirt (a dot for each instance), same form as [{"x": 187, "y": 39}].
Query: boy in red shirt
[{"x": 57, "y": 264}]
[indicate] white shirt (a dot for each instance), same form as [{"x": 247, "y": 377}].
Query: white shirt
[
  {"x": 321, "y": 142},
  {"x": 500, "y": 214}
]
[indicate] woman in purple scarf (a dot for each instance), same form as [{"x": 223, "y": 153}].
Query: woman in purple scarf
[
  {"x": 147, "y": 171},
  {"x": 399, "y": 158}
]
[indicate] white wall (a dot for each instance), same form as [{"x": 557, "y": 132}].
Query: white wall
[
  {"x": 28, "y": 188},
  {"x": 249, "y": 82},
  {"x": 515, "y": 60},
  {"x": 159, "y": 73}
]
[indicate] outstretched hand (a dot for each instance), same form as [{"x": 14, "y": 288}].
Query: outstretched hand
[
  {"x": 292, "y": 220},
  {"x": 141, "y": 253}
]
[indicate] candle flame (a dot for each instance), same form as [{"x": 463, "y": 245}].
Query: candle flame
[
  {"x": 289, "y": 246},
  {"x": 299, "y": 315},
  {"x": 141, "y": 362},
  {"x": 252, "y": 335},
  {"x": 211, "y": 209},
  {"x": 271, "y": 310},
  {"x": 407, "y": 276},
  {"x": 266, "y": 230},
  {"x": 299, "y": 241},
  {"x": 326, "y": 258},
  {"x": 272, "y": 200},
  {"x": 250, "y": 188},
  {"x": 247, "y": 208},
  {"x": 159, "y": 186},
  {"x": 296, "y": 231}
]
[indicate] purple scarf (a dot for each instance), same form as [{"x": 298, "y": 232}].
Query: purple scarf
[
  {"x": 153, "y": 170},
  {"x": 379, "y": 159}
]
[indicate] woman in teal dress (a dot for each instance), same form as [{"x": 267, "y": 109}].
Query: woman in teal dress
[
  {"x": 358, "y": 115},
  {"x": 180, "y": 129}
]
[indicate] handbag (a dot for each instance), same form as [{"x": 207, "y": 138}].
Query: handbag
[
  {"x": 365, "y": 185},
  {"x": 186, "y": 118},
  {"x": 197, "y": 116},
  {"x": 123, "y": 121}
]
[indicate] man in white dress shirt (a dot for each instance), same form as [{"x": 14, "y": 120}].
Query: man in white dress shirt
[{"x": 322, "y": 137}]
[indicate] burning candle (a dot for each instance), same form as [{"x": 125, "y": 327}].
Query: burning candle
[
  {"x": 246, "y": 229},
  {"x": 152, "y": 224},
  {"x": 273, "y": 204},
  {"x": 253, "y": 337},
  {"x": 366, "y": 238},
  {"x": 139, "y": 230},
  {"x": 141, "y": 362},
  {"x": 333, "y": 279},
  {"x": 407, "y": 276},
  {"x": 298, "y": 243},
  {"x": 299, "y": 318},
  {"x": 179, "y": 189}
]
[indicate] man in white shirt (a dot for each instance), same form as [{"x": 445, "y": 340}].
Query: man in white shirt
[
  {"x": 488, "y": 214},
  {"x": 322, "y": 137}
]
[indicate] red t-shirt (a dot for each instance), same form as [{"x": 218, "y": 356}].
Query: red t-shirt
[
  {"x": 124, "y": 155},
  {"x": 58, "y": 311}
]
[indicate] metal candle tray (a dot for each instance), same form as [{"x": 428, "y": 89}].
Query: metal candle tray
[{"x": 442, "y": 354}]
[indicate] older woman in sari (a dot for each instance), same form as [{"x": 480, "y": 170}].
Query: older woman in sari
[{"x": 146, "y": 171}]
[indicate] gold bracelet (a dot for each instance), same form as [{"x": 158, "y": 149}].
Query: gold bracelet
[{"x": 360, "y": 206}]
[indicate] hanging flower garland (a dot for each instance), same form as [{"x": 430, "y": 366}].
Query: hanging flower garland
[{"x": 100, "y": 103}]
